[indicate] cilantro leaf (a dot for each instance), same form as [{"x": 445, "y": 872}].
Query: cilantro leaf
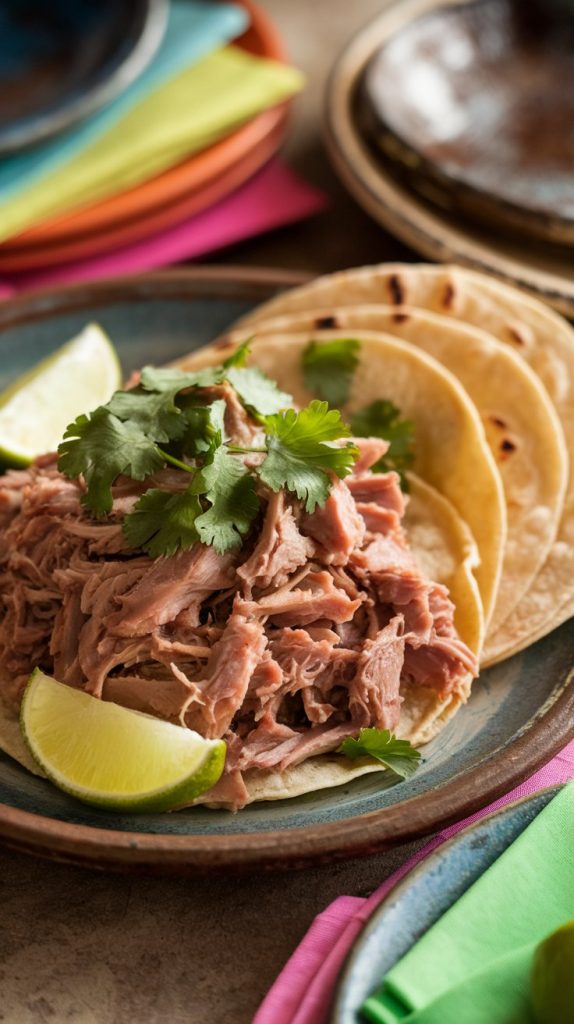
[
  {"x": 205, "y": 427},
  {"x": 397, "y": 755},
  {"x": 258, "y": 393},
  {"x": 298, "y": 457},
  {"x": 169, "y": 378},
  {"x": 328, "y": 368},
  {"x": 239, "y": 357},
  {"x": 154, "y": 412},
  {"x": 102, "y": 447},
  {"x": 230, "y": 489},
  {"x": 163, "y": 523},
  {"x": 381, "y": 419}
]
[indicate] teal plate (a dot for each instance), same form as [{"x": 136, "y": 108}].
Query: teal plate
[
  {"x": 519, "y": 715},
  {"x": 423, "y": 897}
]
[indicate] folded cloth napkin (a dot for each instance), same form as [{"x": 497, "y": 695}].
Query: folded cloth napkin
[
  {"x": 500, "y": 994},
  {"x": 303, "y": 990},
  {"x": 273, "y": 197},
  {"x": 193, "y": 30},
  {"x": 186, "y": 114},
  {"x": 521, "y": 898}
]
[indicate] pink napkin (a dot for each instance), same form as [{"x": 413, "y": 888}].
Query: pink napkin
[
  {"x": 302, "y": 992},
  {"x": 273, "y": 197}
]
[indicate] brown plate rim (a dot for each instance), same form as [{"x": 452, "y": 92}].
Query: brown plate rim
[
  {"x": 287, "y": 848},
  {"x": 397, "y": 208}
]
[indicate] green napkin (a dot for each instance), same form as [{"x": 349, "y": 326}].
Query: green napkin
[
  {"x": 521, "y": 898},
  {"x": 186, "y": 114},
  {"x": 498, "y": 995}
]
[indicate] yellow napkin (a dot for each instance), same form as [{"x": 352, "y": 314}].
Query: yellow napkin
[{"x": 187, "y": 114}]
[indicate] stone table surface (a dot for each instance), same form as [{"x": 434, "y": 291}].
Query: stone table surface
[{"x": 87, "y": 948}]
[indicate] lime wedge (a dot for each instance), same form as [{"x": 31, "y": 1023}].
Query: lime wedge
[
  {"x": 36, "y": 409},
  {"x": 106, "y": 755},
  {"x": 552, "y": 979}
]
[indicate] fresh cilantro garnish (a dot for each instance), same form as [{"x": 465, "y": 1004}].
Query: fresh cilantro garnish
[
  {"x": 381, "y": 419},
  {"x": 168, "y": 420},
  {"x": 328, "y": 368},
  {"x": 239, "y": 357},
  {"x": 257, "y": 392},
  {"x": 298, "y": 456},
  {"x": 100, "y": 447},
  {"x": 397, "y": 755},
  {"x": 205, "y": 427},
  {"x": 154, "y": 412},
  {"x": 171, "y": 379},
  {"x": 163, "y": 523},
  {"x": 230, "y": 490}
]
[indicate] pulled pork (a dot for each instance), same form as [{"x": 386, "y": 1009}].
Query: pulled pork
[{"x": 314, "y": 629}]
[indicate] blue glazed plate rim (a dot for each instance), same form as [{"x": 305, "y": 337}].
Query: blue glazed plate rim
[
  {"x": 116, "y": 74},
  {"x": 482, "y": 844},
  {"x": 501, "y": 768}
]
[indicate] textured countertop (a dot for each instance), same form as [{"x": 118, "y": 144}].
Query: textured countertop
[{"x": 87, "y": 948}]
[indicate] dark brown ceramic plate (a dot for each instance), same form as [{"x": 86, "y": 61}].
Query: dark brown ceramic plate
[
  {"x": 519, "y": 715},
  {"x": 475, "y": 102},
  {"x": 431, "y": 229}
]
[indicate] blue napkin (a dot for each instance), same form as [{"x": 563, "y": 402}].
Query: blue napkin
[{"x": 194, "y": 29}]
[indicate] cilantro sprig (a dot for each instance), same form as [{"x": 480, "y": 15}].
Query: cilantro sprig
[
  {"x": 329, "y": 367},
  {"x": 168, "y": 420},
  {"x": 382, "y": 419},
  {"x": 101, "y": 447},
  {"x": 233, "y": 503},
  {"x": 396, "y": 755},
  {"x": 300, "y": 457},
  {"x": 163, "y": 523}
]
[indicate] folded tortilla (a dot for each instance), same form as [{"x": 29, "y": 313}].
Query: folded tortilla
[
  {"x": 537, "y": 334},
  {"x": 521, "y": 423}
]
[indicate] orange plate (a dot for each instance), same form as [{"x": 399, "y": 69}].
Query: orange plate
[{"x": 195, "y": 175}]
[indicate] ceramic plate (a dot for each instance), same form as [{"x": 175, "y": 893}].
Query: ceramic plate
[
  {"x": 423, "y": 897},
  {"x": 61, "y": 61},
  {"x": 520, "y": 713},
  {"x": 434, "y": 232},
  {"x": 489, "y": 125},
  {"x": 190, "y": 182}
]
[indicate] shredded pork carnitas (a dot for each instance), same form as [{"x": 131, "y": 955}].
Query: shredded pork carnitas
[{"x": 312, "y": 630}]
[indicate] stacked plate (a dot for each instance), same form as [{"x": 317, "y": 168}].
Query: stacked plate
[
  {"x": 142, "y": 165},
  {"x": 452, "y": 124}
]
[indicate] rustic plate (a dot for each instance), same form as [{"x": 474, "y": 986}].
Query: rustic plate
[
  {"x": 193, "y": 182},
  {"x": 520, "y": 713},
  {"x": 478, "y": 99},
  {"x": 435, "y": 232},
  {"x": 424, "y": 896},
  {"x": 62, "y": 61}
]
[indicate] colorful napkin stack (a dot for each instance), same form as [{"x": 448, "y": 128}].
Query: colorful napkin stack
[{"x": 195, "y": 133}]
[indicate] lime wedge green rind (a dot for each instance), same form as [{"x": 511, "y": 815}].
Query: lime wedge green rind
[
  {"x": 36, "y": 409},
  {"x": 111, "y": 757},
  {"x": 552, "y": 979}
]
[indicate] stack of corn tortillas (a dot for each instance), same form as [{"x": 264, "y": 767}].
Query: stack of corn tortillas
[{"x": 486, "y": 374}]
